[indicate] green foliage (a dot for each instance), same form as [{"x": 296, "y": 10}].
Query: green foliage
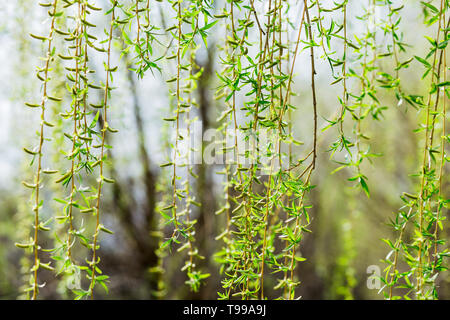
[
  {"x": 418, "y": 222},
  {"x": 266, "y": 208}
]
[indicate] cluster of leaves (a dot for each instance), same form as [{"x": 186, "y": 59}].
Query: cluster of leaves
[{"x": 418, "y": 224}]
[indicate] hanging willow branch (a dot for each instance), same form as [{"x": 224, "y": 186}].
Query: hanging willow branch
[
  {"x": 105, "y": 127},
  {"x": 422, "y": 256},
  {"x": 36, "y": 186}
]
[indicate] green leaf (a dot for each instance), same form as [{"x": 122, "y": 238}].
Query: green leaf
[
  {"x": 364, "y": 186},
  {"x": 423, "y": 61},
  {"x": 429, "y": 6},
  {"x": 443, "y": 84}
]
